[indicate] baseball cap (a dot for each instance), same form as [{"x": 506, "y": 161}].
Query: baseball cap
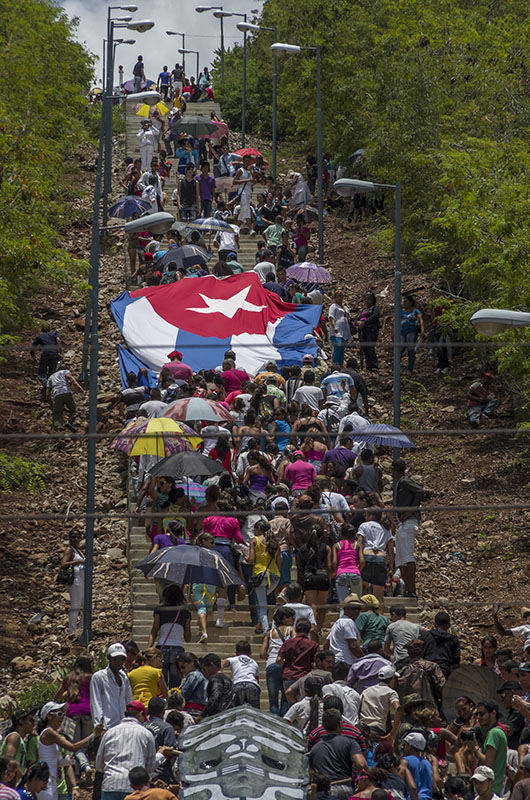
[
  {"x": 174, "y": 354},
  {"x": 307, "y": 358},
  {"x": 416, "y": 740},
  {"x": 370, "y": 600},
  {"x": 50, "y": 708},
  {"x": 136, "y": 705},
  {"x": 386, "y": 672},
  {"x": 331, "y": 400},
  {"x": 298, "y": 453},
  {"x": 116, "y": 650},
  {"x": 353, "y": 600},
  {"x": 524, "y": 666},
  {"x": 482, "y": 773},
  {"x": 509, "y": 686}
]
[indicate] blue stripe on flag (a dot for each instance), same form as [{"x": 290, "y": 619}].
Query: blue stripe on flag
[
  {"x": 202, "y": 352},
  {"x": 129, "y": 362}
]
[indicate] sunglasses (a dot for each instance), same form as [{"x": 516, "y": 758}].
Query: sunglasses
[{"x": 59, "y": 714}]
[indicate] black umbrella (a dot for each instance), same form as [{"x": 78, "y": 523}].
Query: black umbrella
[
  {"x": 195, "y": 125},
  {"x": 197, "y": 464},
  {"x": 186, "y": 256},
  {"x": 187, "y": 563}
]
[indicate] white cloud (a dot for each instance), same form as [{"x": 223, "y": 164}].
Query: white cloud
[{"x": 202, "y": 33}]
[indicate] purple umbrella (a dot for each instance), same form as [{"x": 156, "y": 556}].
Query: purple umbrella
[
  {"x": 307, "y": 272},
  {"x": 385, "y": 435},
  {"x": 128, "y": 86},
  {"x": 128, "y": 205}
]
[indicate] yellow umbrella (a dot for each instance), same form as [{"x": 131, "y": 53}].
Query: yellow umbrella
[
  {"x": 134, "y": 441},
  {"x": 144, "y": 110}
]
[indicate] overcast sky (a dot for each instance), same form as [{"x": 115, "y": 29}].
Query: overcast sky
[{"x": 202, "y": 32}]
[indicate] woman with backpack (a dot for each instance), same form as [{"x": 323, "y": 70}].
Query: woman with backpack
[{"x": 313, "y": 560}]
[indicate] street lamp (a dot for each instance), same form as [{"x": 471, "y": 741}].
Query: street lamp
[
  {"x": 280, "y": 48},
  {"x": 176, "y": 33},
  {"x": 140, "y": 26},
  {"x": 201, "y": 10},
  {"x": 220, "y": 15},
  {"x": 490, "y": 321},
  {"x": 181, "y": 50},
  {"x": 116, "y": 43},
  {"x": 348, "y": 187},
  {"x": 248, "y": 26}
]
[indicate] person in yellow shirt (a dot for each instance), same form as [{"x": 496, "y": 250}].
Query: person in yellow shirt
[{"x": 146, "y": 678}]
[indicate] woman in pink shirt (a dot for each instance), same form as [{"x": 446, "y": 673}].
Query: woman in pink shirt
[
  {"x": 300, "y": 473},
  {"x": 226, "y": 532}
]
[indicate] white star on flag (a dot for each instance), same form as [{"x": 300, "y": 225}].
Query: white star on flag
[{"x": 228, "y": 307}]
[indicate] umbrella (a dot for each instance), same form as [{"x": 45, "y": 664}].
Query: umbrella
[
  {"x": 128, "y": 86},
  {"x": 188, "y": 563},
  {"x": 132, "y": 442},
  {"x": 195, "y": 124},
  {"x": 472, "y": 681},
  {"x": 182, "y": 465},
  {"x": 182, "y": 227},
  {"x": 143, "y": 110},
  {"x": 127, "y": 206},
  {"x": 222, "y": 130},
  {"x": 252, "y": 152},
  {"x": 307, "y": 272},
  {"x": 193, "y": 489},
  {"x": 385, "y": 435},
  {"x": 356, "y": 156},
  {"x": 189, "y": 255},
  {"x": 210, "y": 224},
  {"x": 192, "y": 408},
  {"x": 310, "y": 213}
]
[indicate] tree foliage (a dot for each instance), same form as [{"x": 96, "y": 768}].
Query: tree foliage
[
  {"x": 438, "y": 94},
  {"x": 44, "y": 78}
]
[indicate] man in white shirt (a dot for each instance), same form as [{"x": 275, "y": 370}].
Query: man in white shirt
[
  {"x": 344, "y": 639},
  {"x": 354, "y": 419},
  {"x": 110, "y": 690},
  {"x": 398, "y": 634},
  {"x": 308, "y": 393},
  {"x": 245, "y": 675},
  {"x": 263, "y": 269},
  {"x": 519, "y": 630},
  {"x": 59, "y": 389},
  {"x": 227, "y": 242},
  {"x": 125, "y": 746},
  {"x": 143, "y": 182},
  {"x": 378, "y": 701},
  {"x": 154, "y": 407},
  {"x": 351, "y": 700}
]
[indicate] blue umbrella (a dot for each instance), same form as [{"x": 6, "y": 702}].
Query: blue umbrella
[
  {"x": 127, "y": 206},
  {"x": 210, "y": 224},
  {"x": 385, "y": 435}
]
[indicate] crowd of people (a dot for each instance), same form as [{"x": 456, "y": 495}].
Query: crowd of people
[{"x": 299, "y": 513}]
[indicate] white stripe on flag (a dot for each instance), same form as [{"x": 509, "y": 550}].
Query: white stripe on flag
[{"x": 142, "y": 326}]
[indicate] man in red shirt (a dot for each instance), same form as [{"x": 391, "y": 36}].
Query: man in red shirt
[
  {"x": 176, "y": 366},
  {"x": 232, "y": 377},
  {"x": 297, "y": 655}
]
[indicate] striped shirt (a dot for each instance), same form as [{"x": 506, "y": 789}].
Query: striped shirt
[{"x": 123, "y": 747}]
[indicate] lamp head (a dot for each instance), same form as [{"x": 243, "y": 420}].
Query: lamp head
[
  {"x": 149, "y": 98},
  {"x": 131, "y": 9},
  {"x": 346, "y": 187},
  {"x": 122, "y": 19},
  {"x": 490, "y": 321},
  {"x": 222, "y": 14},
  {"x": 128, "y": 41},
  {"x": 248, "y": 26},
  {"x": 141, "y": 26},
  {"x": 200, "y": 9},
  {"x": 280, "y": 48}
]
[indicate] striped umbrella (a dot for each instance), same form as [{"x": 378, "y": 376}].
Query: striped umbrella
[
  {"x": 187, "y": 563},
  {"x": 192, "y": 408},
  {"x": 145, "y": 437},
  {"x": 193, "y": 489},
  {"x": 385, "y": 435},
  {"x": 210, "y": 224}
]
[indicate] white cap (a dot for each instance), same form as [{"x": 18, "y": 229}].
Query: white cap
[
  {"x": 50, "y": 708},
  {"x": 386, "y": 672},
  {"x": 116, "y": 649},
  {"x": 416, "y": 740},
  {"x": 483, "y": 773}
]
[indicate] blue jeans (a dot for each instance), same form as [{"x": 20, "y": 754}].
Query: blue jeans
[
  {"x": 339, "y": 346},
  {"x": 278, "y": 703},
  {"x": 285, "y": 571},
  {"x": 247, "y": 693},
  {"x": 409, "y": 339},
  {"x": 169, "y": 666},
  {"x": 266, "y": 586},
  {"x": 206, "y": 208}
]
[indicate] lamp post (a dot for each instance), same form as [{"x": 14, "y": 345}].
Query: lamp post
[
  {"x": 140, "y": 26},
  {"x": 248, "y": 26},
  {"x": 196, "y": 52},
  {"x": 201, "y": 10},
  {"x": 491, "y": 321},
  {"x": 348, "y": 187},
  {"x": 280, "y": 48},
  {"x": 116, "y": 43},
  {"x": 175, "y": 33},
  {"x": 220, "y": 15}
]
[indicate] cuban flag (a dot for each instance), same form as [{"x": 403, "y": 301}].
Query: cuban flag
[{"x": 204, "y": 317}]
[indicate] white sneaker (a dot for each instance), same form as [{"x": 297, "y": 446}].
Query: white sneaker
[
  {"x": 220, "y": 624},
  {"x": 203, "y": 638},
  {"x": 252, "y": 232}
]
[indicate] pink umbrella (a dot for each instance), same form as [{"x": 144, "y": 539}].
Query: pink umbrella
[
  {"x": 193, "y": 408},
  {"x": 222, "y": 130}
]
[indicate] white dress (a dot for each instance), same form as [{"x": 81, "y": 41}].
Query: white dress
[
  {"x": 301, "y": 195},
  {"x": 147, "y": 145},
  {"x": 244, "y": 196},
  {"x": 49, "y": 753},
  {"x": 77, "y": 591}
]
